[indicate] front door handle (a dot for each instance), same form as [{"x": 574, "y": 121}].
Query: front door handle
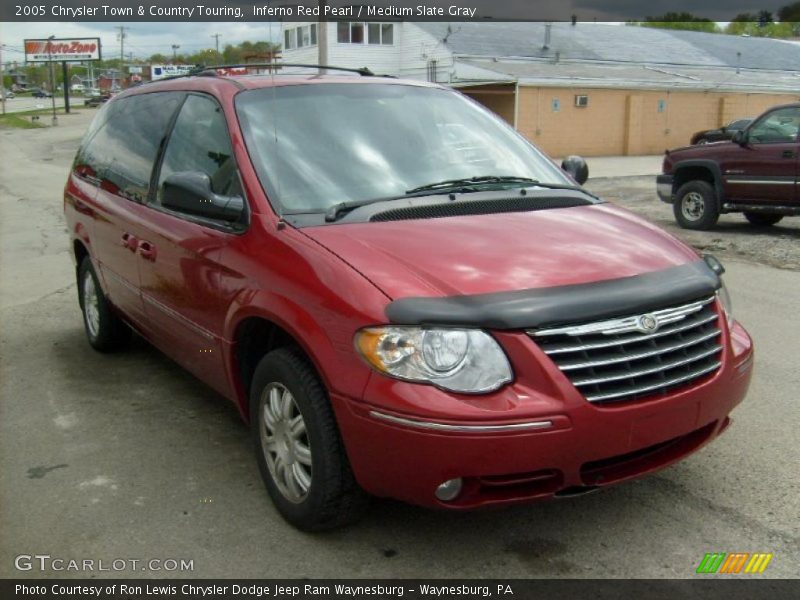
[
  {"x": 789, "y": 154},
  {"x": 147, "y": 250},
  {"x": 129, "y": 242}
]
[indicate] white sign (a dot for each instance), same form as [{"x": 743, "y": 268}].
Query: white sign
[
  {"x": 162, "y": 71},
  {"x": 59, "y": 49}
]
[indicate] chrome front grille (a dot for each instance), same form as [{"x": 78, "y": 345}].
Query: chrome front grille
[{"x": 637, "y": 356}]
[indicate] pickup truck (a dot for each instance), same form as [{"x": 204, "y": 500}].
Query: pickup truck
[{"x": 755, "y": 174}]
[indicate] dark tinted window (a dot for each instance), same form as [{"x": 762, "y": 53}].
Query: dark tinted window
[
  {"x": 778, "y": 127},
  {"x": 122, "y": 151},
  {"x": 199, "y": 142}
]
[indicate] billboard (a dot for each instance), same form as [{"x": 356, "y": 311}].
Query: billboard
[{"x": 58, "y": 49}]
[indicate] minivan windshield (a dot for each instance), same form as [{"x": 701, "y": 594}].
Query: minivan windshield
[{"x": 318, "y": 145}]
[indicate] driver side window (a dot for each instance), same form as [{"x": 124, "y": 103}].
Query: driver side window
[
  {"x": 199, "y": 142},
  {"x": 778, "y": 127}
]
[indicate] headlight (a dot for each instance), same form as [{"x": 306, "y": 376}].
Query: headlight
[
  {"x": 460, "y": 360},
  {"x": 725, "y": 301}
]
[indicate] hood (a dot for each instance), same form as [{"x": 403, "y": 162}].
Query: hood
[
  {"x": 701, "y": 151},
  {"x": 468, "y": 255}
]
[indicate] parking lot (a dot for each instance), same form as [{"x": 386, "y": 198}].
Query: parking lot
[{"x": 128, "y": 457}]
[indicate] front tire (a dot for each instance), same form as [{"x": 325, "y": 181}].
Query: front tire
[
  {"x": 298, "y": 447},
  {"x": 105, "y": 331},
  {"x": 695, "y": 206},
  {"x": 761, "y": 219}
]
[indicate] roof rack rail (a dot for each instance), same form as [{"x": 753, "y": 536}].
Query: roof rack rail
[{"x": 211, "y": 69}]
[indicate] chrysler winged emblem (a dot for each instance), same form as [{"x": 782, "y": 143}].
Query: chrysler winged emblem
[{"x": 648, "y": 323}]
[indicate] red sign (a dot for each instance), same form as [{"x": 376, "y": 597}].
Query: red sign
[{"x": 59, "y": 49}]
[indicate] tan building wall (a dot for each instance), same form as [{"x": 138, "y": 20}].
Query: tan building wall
[{"x": 618, "y": 122}]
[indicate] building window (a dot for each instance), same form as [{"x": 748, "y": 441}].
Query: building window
[
  {"x": 376, "y": 33},
  {"x": 300, "y": 37}
]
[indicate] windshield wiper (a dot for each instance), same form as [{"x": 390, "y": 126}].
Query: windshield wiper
[
  {"x": 448, "y": 184},
  {"x": 338, "y": 210}
]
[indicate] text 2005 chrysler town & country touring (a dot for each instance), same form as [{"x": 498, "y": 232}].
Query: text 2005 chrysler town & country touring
[{"x": 402, "y": 296}]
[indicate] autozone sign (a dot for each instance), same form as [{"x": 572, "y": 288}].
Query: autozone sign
[{"x": 59, "y": 49}]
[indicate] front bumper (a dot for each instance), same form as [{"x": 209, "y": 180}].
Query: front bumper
[
  {"x": 498, "y": 444},
  {"x": 664, "y": 187}
]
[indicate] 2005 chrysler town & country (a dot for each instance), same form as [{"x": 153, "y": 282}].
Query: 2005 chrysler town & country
[{"x": 402, "y": 296}]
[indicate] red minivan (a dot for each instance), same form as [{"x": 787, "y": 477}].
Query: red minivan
[{"x": 401, "y": 295}]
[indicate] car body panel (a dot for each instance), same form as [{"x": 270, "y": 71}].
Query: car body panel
[{"x": 471, "y": 255}]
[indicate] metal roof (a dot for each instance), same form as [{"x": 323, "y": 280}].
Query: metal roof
[{"x": 619, "y": 43}]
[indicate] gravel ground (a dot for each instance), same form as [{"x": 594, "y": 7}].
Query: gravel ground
[{"x": 777, "y": 246}]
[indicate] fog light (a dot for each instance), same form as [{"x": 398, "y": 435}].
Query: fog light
[{"x": 449, "y": 490}]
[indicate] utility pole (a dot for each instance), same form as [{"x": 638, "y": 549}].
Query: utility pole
[
  {"x": 52, "y": 76},
  {"x": 322, "y": 38},
  {"x": 2, "y": 78},
  {"x": 121, "y": 37},
  {"x": 216, "y": 37},
  {"x": 175, "y": 52}
]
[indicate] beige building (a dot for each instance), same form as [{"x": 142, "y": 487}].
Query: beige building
[{"x": 589, "y": 88}]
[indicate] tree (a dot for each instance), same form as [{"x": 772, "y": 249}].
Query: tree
[
  {"x": 789, "y": 13},
  {"x": 683, "y": 20}
]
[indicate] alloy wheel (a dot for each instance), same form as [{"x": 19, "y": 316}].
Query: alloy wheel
[
  {"x": 285, "y": 443},
  {"x": 693, "y": 206}
]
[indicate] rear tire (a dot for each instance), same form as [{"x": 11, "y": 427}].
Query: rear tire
[
  {"x": 298, "y": 446},
  {"x": 695, "y": 205},
  {"x": 105, "y": 331},
  {"x": 761, "y": 219}
]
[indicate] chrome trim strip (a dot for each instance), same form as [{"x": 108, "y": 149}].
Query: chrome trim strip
[
  {"x": 742, "y": 180},
  {"x": 625, "y": 324},
  {"x": 461, "y": 428},
  {"x": 632, "y": 357},
  {"x": 657, "y": 369},
  {"x": 656, "y": 386},
  {"x": 630, "y": 340},
  {"x": 179, "y": 317}
]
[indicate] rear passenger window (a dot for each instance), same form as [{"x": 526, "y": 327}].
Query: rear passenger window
[
  {"x": 199, "y": 142},
  {"x": 121, "y": 153}
]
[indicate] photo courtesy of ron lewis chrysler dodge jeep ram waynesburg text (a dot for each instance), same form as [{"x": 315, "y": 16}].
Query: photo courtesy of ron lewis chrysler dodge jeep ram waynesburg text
[{"x": 402, "y": 296}]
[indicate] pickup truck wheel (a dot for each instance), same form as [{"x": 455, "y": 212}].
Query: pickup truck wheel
[
  {"x": 762, "y": 219},
  {"x": 104, "y": 329},
  {"x": 695, "y": 205},
  {"x": 298, "y": 447}
]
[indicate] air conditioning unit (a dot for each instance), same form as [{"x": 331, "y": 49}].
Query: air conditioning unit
[{"x": 581, "y": 101}]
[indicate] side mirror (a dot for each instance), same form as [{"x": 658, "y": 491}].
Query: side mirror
[
  {"x": 740, "y": 137},
  {"x": 190, "y": 192},
  {"x": 576, "y": 166}
]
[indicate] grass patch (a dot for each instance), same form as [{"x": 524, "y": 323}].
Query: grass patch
[{"x": 19, "y": 122}]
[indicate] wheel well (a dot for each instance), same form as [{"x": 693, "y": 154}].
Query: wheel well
[
  {"x": 254, "y": 338},
  {"x": 686, "y": 174},
  {"x": 80, "y": 252}
]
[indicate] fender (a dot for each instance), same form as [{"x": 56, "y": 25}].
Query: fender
[
  {"x": 712, "y": 166},
  {"x": 339, "y": 375}
]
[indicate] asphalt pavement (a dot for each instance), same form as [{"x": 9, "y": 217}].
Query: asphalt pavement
[{"x": 128, "y": 457}]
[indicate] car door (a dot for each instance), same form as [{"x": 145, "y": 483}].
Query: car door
[
  {"x": 180, "y": 270},
  {"x": 122, "y": 154},
  {"x": 763, "y": 170}
]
